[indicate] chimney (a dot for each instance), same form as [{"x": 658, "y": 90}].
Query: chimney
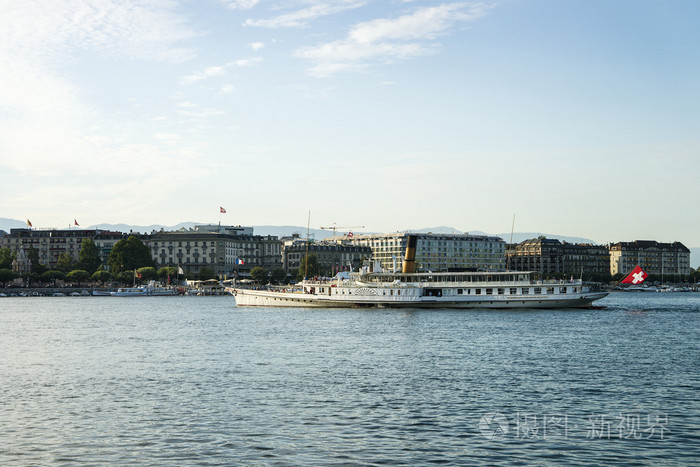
[{"x": 409, "y": 262}]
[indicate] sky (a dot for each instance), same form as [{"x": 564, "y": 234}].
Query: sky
[{"x": 576, "y": 117}]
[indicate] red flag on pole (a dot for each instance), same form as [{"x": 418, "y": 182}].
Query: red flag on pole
[
  {"x": 637, "y": 276},
  {"x": 76, "y": 222},
  {"x": 222, "y": 210}
]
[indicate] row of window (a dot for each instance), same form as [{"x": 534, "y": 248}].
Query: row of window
[
  {"x": 518, "y": 291},
  {"x": 437, "y": 292}
]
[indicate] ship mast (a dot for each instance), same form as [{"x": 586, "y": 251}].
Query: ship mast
[
  {"x": 512, "y": 228},
  {"x": 306, "y": 260}
]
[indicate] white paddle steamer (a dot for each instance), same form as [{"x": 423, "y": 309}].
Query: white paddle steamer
[{"x": 407, "y": 289}]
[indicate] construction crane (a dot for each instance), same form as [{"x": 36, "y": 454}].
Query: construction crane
[{"x": 336, "y": 227}]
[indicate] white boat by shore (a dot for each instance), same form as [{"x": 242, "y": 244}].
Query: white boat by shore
[
  {"x": 426, "y": 290},
  {"x": 143, "y": 291}
]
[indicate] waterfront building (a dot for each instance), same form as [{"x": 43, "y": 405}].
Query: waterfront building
[
  {"x": 664, "y": 260},
  {"x": 227, "y": 250},
  {"x": 332, "y": 257},
  {"x": 51, "y": 243},
  {"x": 548, "y": 256},
  {"x": 21, "y": 264},
  {"x": 434, "y": 252}
]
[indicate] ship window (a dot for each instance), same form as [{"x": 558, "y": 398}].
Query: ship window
[
  {"x": 525, "y": 291},
  {"x": 538, "y": 290},
  {"x": 478, "y": 291},
  {"x": 550, "y": 290},
  {"x": 489, "y": 291},
  {"x": 513, "y": 291},
  {"x": 459, "y": 291},
  {"x": 562, "y": 289},
  {"x": 501, "y": 291}
]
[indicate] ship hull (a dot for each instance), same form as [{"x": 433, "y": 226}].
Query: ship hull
[{"x": 246, "y": 297}]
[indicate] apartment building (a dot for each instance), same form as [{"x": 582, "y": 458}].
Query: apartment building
[
  {"x": 434, "y": 252},
  {"x": 227, "y": 250},
  {"x": 664, "y": 260},
  {"x": 551, "y": 256},
  {"x": 332, "y": 257},
  {"x": 51, "y": 243}
]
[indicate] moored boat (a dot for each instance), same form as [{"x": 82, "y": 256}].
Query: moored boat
[{"x": 143, "y": 291}]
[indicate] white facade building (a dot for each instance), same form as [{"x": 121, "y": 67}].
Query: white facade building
[{"x": 435, "y": 252}]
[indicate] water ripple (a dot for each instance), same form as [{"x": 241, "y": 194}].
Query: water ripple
[{"x": 197, "y": 381}]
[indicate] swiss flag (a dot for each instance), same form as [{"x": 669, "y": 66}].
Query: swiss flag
[
  {"x": 637, "y": 276},
  {"x": 222, "y": 210}
]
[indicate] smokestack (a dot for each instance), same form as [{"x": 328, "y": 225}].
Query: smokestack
[{"x": 409, "y": 261}]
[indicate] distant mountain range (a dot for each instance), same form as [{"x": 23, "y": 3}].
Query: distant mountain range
[{"x": 319, "y": 234}]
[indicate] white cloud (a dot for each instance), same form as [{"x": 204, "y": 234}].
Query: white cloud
[
  {"x": 206, "y": 73},
  {"x": 257, "y": 46},
  {"x": 220, "y": 70},
  {"x": 248, "y": 61},
  {"x": 241, "y": 4},
  {"x": 35, "y": 29},
  {"x": 228, "y": 88},
  {"x": 50, "y": 131},
  {"x": 384, "y": 40},
  {"x": 302, "y": 17},
  {"x": 167, "y": 136}
]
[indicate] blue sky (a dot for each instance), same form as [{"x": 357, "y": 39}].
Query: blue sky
[{"x": 580, "y": 118}]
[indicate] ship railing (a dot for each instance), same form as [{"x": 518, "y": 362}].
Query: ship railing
[{"x": 556, "y": 282}]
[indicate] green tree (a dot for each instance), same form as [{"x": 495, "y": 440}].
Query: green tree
[
  {"x": 6, "y": 258},
  {"x": 77, "y": 275},
  {"x": 278, "y": 275},
  {"x": 148, "y": 273},
  {"x": 33, "y": 257},
  {"x": 125, "y": 277},
  {"x": 52, "y": 276},
  {"x": 308, "y": 267},
  {"x": 7, "y": 275},
  {"x": 31, "y": 278},
  {"x": 167, "y": 271},
  {"x": 64, "y": 262},
  {"x": 89, "y": 256},
  {"x": 259, "y": 274},
  {"x": 206, "y": 273},
  {"x": 101, "y": 276},
  {"x": 129, "y": 254}
]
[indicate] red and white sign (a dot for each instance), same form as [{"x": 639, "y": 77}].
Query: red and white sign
[{"x": 637, "y": 276}]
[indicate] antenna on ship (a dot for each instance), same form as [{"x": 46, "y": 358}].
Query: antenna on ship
[
  {"x": 512, "y": 228},
  {"x": 306, "y": 261}
]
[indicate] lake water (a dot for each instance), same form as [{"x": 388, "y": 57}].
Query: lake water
[{"x": 198, "y": 381}]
